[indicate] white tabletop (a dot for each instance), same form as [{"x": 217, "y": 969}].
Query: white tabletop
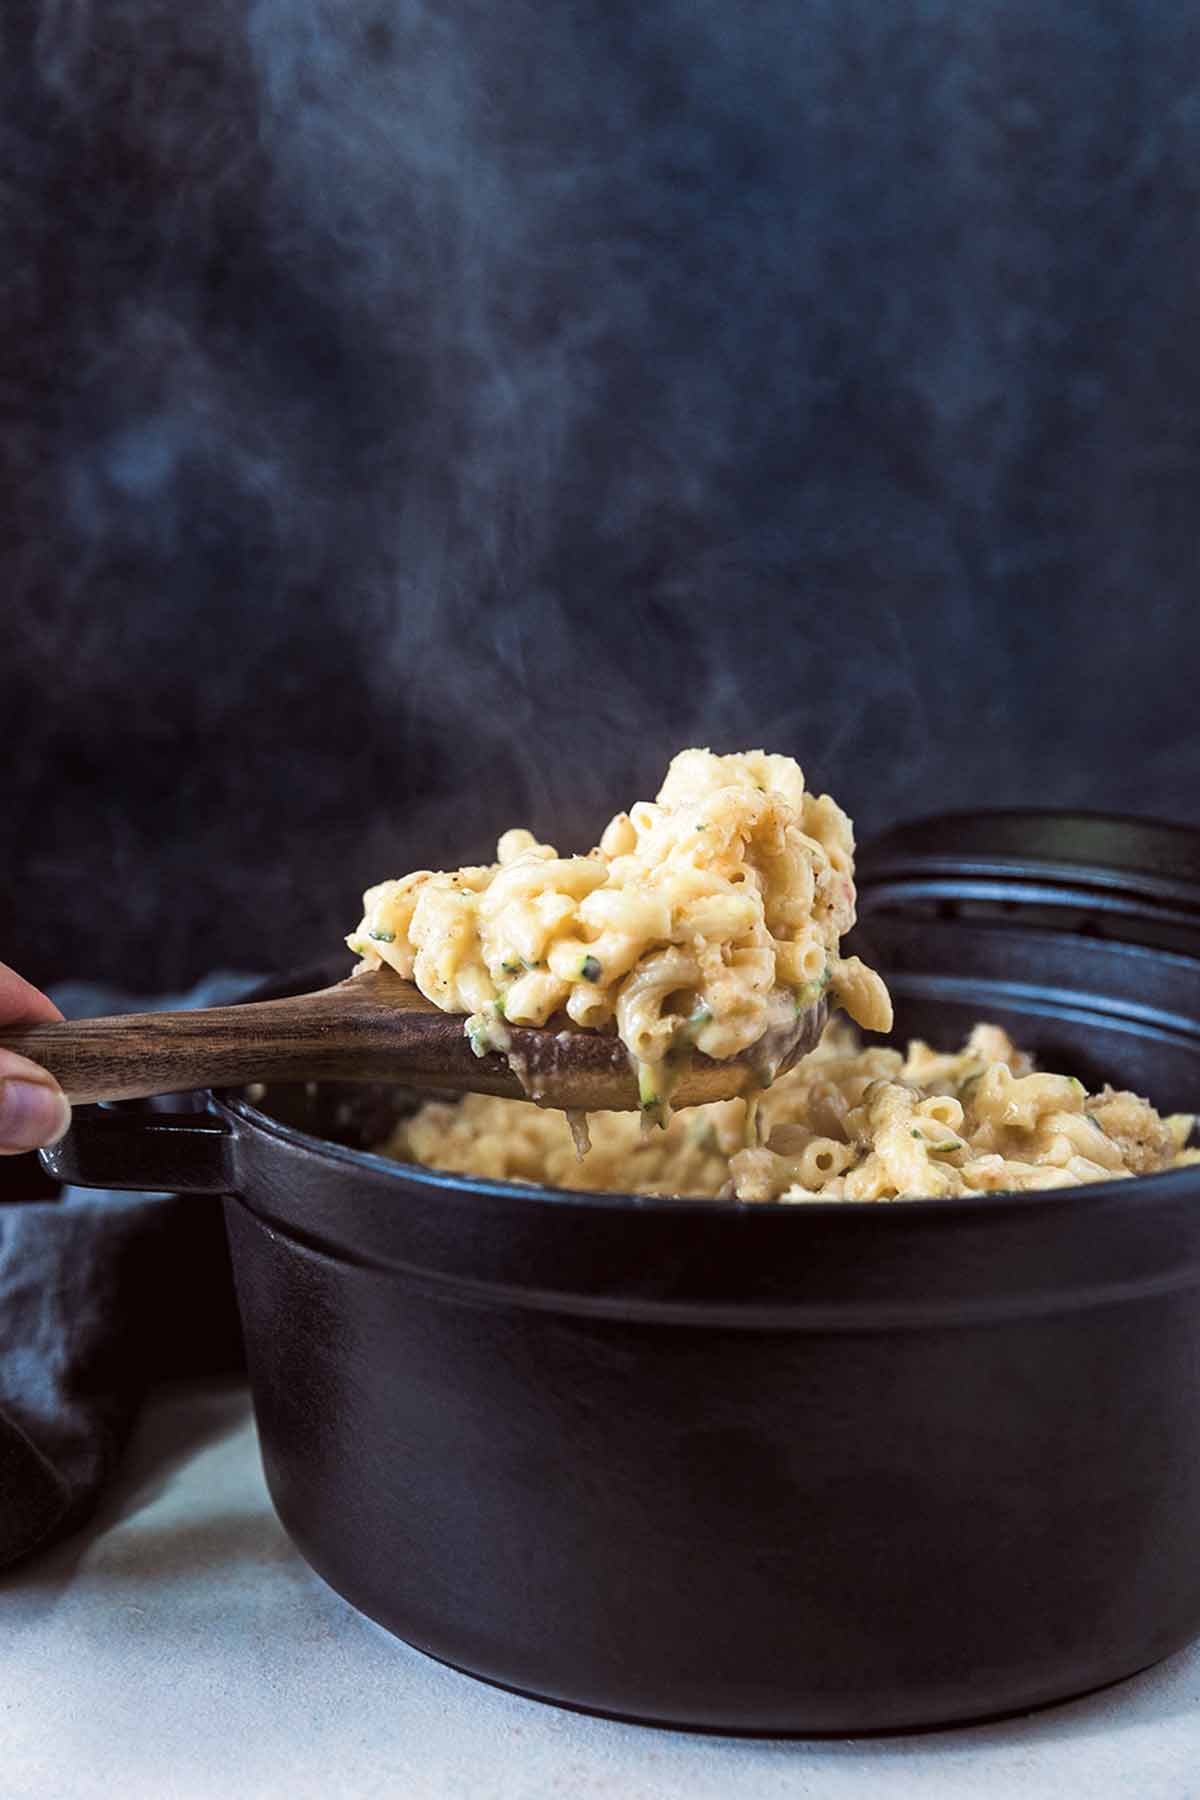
[{"x": 181, "y": 1648}]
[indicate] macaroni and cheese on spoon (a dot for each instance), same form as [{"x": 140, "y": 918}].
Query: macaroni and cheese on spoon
[{"x": 705, "y": 923}]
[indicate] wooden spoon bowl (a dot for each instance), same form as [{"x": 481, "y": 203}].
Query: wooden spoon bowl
[{"x": 371, "y": 1027}]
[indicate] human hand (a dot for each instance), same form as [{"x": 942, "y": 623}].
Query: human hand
[{"x": 33, "y": 1108}]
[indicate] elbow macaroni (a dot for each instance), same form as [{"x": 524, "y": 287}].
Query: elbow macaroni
[
  {"x": 702, "y": 919},
  {"x": 846, "y": 1124}
]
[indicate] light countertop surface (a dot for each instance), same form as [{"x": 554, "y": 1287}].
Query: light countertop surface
[{"x": 180, "y": 1648}]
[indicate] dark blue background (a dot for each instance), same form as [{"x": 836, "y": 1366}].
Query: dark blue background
[{"x": 419, "y": 418}]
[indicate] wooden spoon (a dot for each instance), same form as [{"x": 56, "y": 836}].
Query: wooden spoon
[{"x": 371, "y": 1027}]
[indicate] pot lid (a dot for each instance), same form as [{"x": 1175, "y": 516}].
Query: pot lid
[{"x": 1098, "y": 873}]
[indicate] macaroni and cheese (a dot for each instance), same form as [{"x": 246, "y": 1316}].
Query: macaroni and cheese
[
  {"x": 707, "y": 919},
  {"x": 846, "y": 1124}
]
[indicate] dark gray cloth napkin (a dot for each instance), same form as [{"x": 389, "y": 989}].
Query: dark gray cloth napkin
[{"x": 101, "y": 1295}]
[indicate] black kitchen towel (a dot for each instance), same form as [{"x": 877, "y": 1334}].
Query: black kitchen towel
[{"x": 101, "y": 1295}]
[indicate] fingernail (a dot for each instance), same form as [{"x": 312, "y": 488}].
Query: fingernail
[{"x": 32, "y": 1116}]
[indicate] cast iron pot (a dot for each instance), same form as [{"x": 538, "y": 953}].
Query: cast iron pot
[{"x": 823, "y": 1468}]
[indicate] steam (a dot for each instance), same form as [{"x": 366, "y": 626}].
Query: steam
[{"x": 574, "y": 578}]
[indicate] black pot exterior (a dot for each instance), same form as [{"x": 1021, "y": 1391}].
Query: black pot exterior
[{"x": 777, "y": 1469}]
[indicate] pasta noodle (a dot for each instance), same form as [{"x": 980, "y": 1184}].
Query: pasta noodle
[
  {"x": 708, "y": 919},
  {"x": 846, "y": 1124}
]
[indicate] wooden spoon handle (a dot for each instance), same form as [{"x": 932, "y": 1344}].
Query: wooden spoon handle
[
  {"x": 306, "y": 1037},
  {"x": 367, "y": 1028}
]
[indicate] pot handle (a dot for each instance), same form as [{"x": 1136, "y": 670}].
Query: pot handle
[{"x": 133, "y": 1147}]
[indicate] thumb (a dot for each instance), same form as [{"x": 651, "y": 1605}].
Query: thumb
[{"x": 33, "y": 1108}]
